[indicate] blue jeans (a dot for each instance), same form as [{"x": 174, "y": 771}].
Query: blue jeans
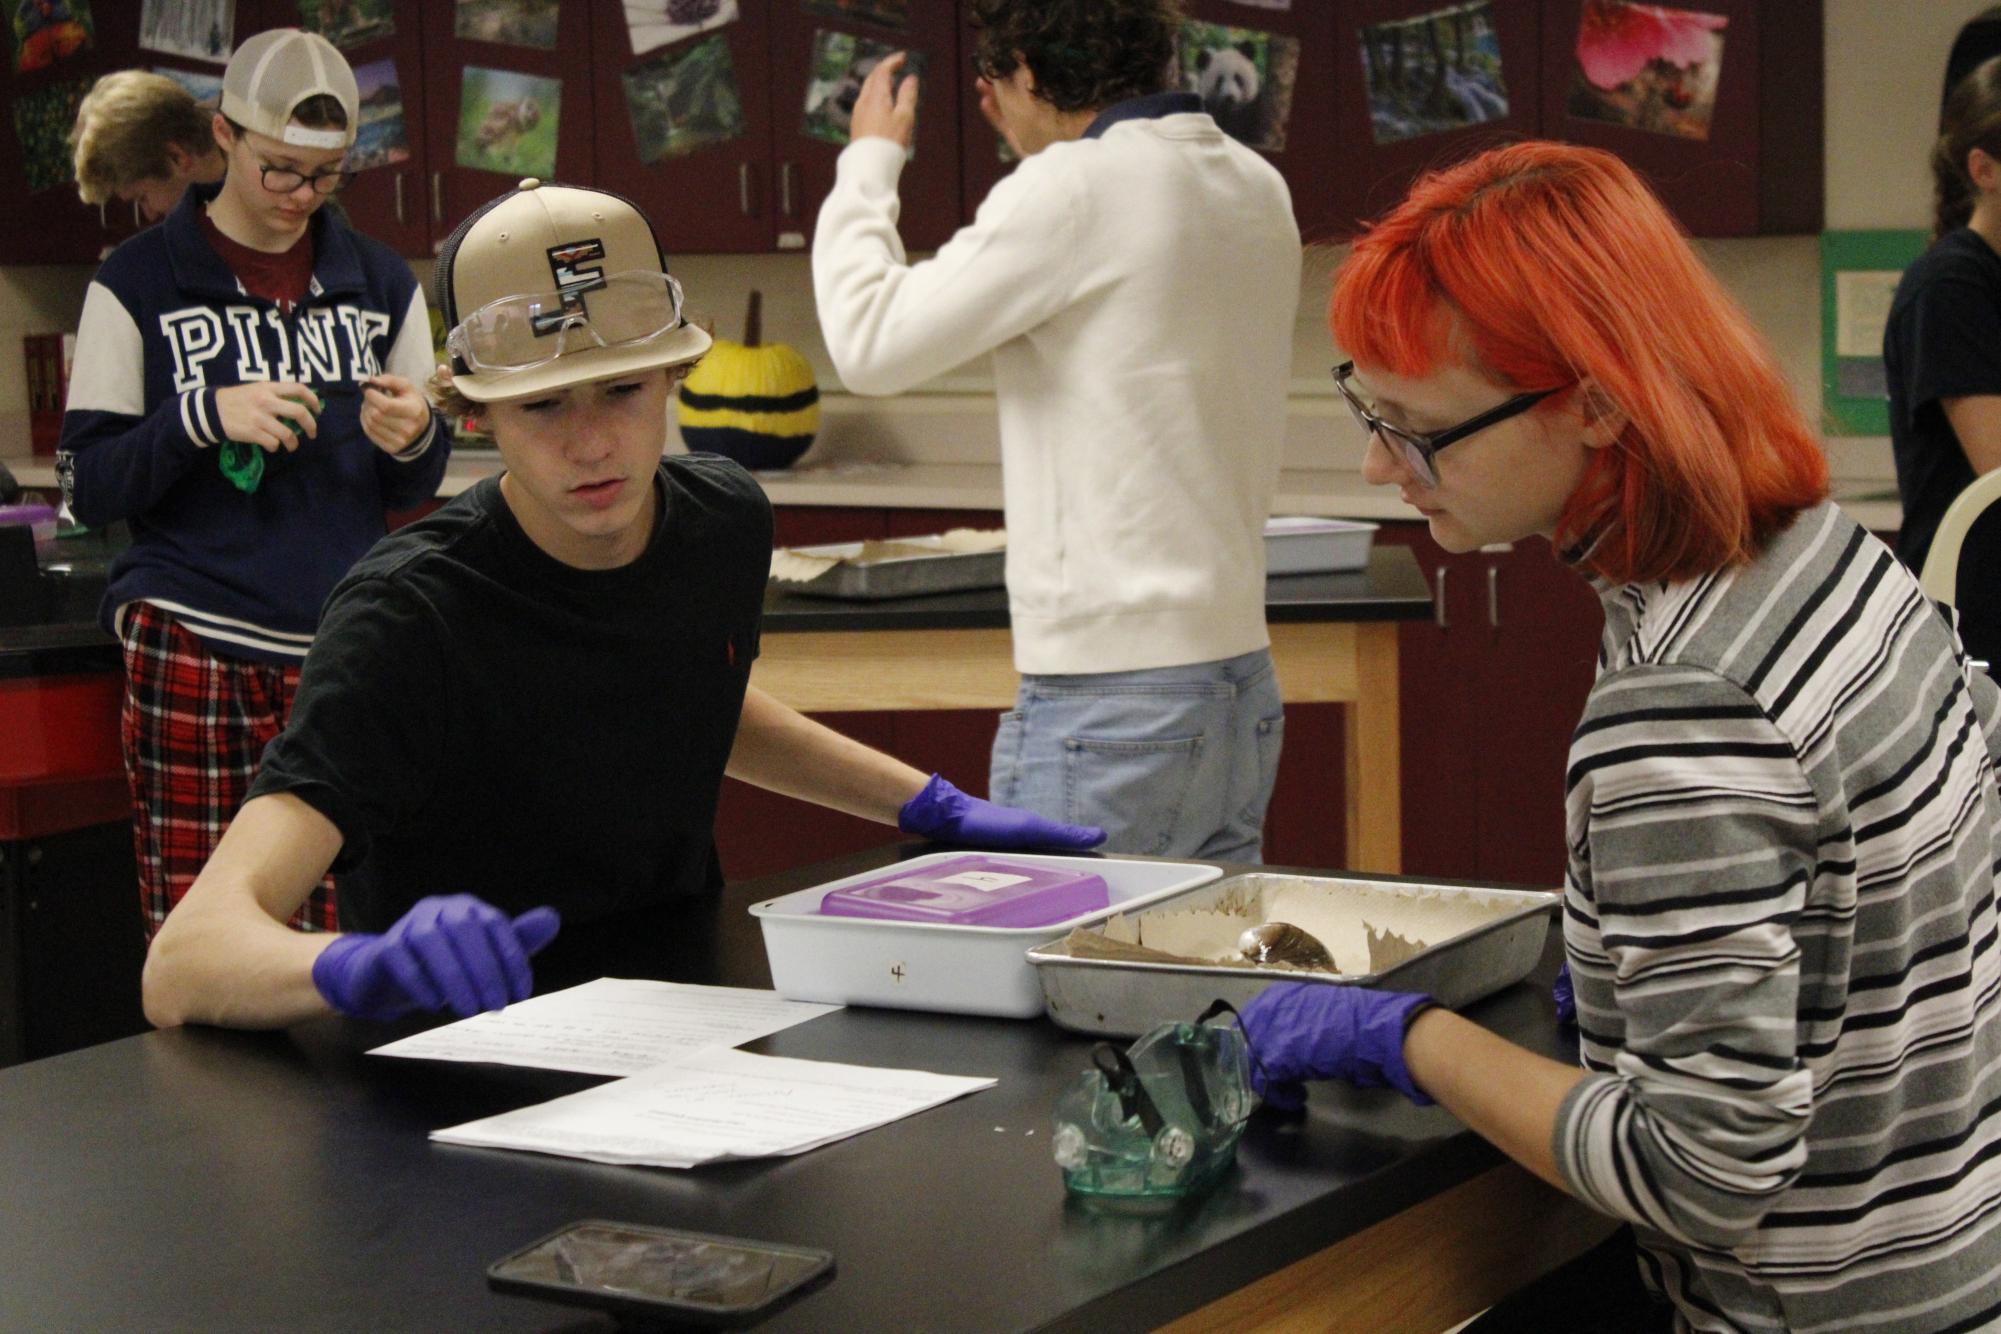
[{"x": 1173, "y": 762}]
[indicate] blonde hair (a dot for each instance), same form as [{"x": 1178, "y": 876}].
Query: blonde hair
[
  {"x": 123, "y": 127},
  {"x": 446, "y": 397}
]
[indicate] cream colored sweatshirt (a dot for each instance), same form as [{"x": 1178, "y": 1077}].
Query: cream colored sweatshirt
[{"x": 1137, "y": 292}]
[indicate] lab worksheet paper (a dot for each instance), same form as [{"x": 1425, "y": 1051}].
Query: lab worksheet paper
[
  {"x": 613, "y": 1026},
  {"x": 715, "y": 1106}
]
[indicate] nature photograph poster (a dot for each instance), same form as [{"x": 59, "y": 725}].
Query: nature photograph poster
[
  {"x": 381, "y": 138},
  {"x": 349, "y": 23},
  {"x": 683, "y": 99},
  {"x": 656, "y": 23},
  {"x": 206, "y": 88},
  {"x": 1433, "y": 72},
  {"x": 1245, "y": 79},
  {"x": 508, "y": 122},
  {"x": 197, "y": 29},
  {"x": 530, "y": 23},
  {"x": 840, "y": 61},
  {"x": 1648, "y": 67},
  {"x": 42, "y": 119},
  {"x": 47, "y": 32}
]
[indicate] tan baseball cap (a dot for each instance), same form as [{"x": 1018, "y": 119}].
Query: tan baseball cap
[
  {"x": 272, "y": 72},
  {"x": 555, "y": 240}
]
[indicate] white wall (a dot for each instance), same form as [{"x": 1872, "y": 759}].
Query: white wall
[{"x": 1884, "y": 62}]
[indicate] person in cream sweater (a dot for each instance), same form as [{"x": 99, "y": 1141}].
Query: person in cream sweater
[{"x": 1136, "y": 279}]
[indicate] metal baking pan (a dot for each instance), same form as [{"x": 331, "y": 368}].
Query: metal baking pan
[
  {"x": 1120, "y": 998},
  {"x": 899, "y": 576}
]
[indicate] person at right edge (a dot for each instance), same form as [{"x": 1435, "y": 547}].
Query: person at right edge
[
  {"x": 1136, "y": 279},
  {"x": 1942, "y": 348},
  {"x": 1782, "y": 820}
]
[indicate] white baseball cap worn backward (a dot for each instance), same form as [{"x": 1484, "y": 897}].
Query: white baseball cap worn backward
[{"x": 272, "y": 72}]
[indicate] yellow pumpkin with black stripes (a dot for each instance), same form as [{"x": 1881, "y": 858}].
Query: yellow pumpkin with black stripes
[{"x": 752, "y": 402}]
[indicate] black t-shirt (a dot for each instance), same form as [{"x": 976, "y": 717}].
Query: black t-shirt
[
  {"x": 477, "y": 717},
  {"x": 1943, "y": 340}
]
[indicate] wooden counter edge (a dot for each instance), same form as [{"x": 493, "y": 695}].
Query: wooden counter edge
[{"x": 1420, "y": 1272}]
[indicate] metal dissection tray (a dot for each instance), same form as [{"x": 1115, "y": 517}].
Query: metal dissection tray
[
  {"x": 1497, "y": 935},
  {"x": 901, "y": 575}
]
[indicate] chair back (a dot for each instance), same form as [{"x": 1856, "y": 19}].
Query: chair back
[{"x": 1940, "y": 577}]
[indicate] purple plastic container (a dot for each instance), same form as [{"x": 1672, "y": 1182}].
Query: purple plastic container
[{"x": 974, "y": 890}]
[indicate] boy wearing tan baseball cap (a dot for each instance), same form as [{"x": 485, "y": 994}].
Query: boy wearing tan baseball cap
[
  {"x": 247, "y": 395},
  {"x": 519, "y": 711}
]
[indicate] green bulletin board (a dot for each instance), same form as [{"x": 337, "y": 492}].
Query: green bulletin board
[{"x": 1858, "y": 276}]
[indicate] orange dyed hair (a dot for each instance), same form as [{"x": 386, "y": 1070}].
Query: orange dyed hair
[{"x": 1541, "y": 265}]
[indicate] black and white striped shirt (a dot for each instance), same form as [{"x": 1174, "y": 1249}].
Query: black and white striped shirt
[{"x": 1784, "y": 823}]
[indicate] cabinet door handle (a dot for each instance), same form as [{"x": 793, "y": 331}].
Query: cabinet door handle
[
  {"x": 437, "y": 196},
  {"x": 400, "y": 218},
  {"x": 1438, "y": 601},
  {"x": 785, "y": 188},
  {"x": 137, "y": 221},
  {"x": 1494, "y": 596},
  {"x": 743, "y": 187},
  {"x": 103, "y": 223}
]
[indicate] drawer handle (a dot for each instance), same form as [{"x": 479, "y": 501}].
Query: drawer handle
[{"x": 1438, "y": 601}]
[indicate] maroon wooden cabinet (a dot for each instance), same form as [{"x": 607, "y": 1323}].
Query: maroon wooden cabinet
[
  {"x": 386, "y": 199},
  {"x": 1492, "y": 688},
  {"x": 1759, "y": 168},
  {"x": 802, "y": 166},
  {"x": 760, "y": 190},
  {"x": 1377, "y": 159},
  {"x": 455, "y": 68},
  {"x": 717, "y": 197}
]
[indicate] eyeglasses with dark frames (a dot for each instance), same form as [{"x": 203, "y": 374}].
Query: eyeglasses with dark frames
[
  {"x": 283, "y": 180},
  {"x": 1417, "y": 448}
]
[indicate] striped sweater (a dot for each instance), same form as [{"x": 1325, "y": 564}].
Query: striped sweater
[{"x": 1783, "y": 824}]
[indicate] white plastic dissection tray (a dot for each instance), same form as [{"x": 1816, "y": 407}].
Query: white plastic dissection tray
[
  {"x": 937, "y": 966},
  {"x": 1304, "y": 545}
]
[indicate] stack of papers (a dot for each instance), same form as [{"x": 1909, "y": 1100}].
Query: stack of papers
[
  {"x": 613, "y": 1026},
  {"x": 687, "y": 1098},
  {"x": 714, "y": 1107}
]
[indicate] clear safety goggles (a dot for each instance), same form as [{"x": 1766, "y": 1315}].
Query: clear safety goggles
[{"x": 517, "y": 333}]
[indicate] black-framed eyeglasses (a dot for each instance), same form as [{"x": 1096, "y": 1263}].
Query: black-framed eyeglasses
[
  {"x": 1416, "y": 448},
  {"x": 283, "y": 180}
]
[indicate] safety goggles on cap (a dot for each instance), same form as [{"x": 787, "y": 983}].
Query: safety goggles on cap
[{"x": 518, "y": 333}]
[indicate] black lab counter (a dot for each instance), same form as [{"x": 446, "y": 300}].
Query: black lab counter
[{"x": 201, "y": 1179}]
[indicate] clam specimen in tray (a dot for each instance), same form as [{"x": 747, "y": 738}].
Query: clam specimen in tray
[{"x": 1284, "y": 943}]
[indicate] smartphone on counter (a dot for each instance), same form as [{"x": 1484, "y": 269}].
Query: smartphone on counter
[{"x": 640, "y": 1273}]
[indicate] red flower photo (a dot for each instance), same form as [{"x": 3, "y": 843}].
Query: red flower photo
[{"x": 1648, "y": 67}]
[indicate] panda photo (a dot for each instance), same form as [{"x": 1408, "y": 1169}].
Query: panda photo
[{"x": 1227, "y": 80}]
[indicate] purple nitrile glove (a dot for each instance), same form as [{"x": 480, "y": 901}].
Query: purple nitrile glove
[
  {"x": 1318, "y": 1030},
  {"x": 448, "y": 952},
  {"x": 1566, "y": 999},
  {"x": 944, "y": 813}
]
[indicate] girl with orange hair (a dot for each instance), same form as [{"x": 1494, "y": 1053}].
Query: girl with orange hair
[{"x": 1783, "y": 819}]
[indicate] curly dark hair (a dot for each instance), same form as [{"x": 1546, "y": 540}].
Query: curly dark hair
[{"x": 1084, "y": 54}]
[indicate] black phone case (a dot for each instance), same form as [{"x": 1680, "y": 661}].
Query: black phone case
[{"x": 641, "y": 1311}]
